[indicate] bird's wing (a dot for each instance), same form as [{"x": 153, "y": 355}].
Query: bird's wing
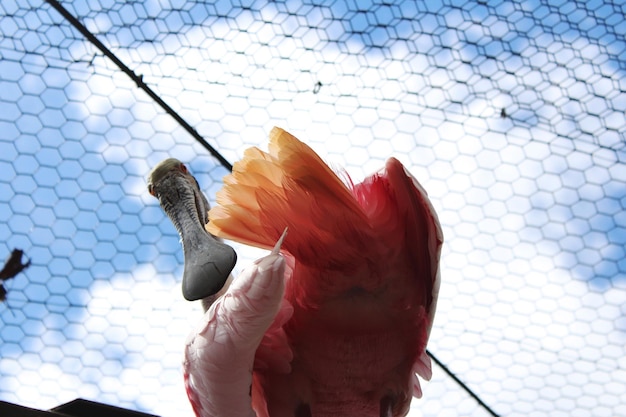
[
  {"x": 290, "y": 186},
  {"x": 422, "y": 227},
  {"x": 219, "y": 353}
]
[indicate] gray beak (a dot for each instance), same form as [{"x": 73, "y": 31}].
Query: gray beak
[{"x": 208, "y": 261}]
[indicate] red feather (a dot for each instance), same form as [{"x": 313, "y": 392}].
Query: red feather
[{"x": 363, "y": 281}]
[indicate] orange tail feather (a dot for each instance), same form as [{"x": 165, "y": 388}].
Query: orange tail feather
[{"x": 290, "y": 187}]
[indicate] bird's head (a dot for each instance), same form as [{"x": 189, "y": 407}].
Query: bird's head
[{"x": 208, "y": 261}]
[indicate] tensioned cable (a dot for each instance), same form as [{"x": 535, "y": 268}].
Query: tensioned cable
[
  {"x": 138, "y": 79},
  {"x": 462, "y": 384}
]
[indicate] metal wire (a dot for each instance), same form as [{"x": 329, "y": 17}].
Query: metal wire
[{"x": 138, "y": 79}]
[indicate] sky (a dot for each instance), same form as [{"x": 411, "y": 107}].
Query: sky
[{"x": 511, "y": 114}]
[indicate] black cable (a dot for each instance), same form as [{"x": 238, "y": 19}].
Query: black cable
[
  {"x": 138, "y": 79},
  {"x": 462, "y": 384}
]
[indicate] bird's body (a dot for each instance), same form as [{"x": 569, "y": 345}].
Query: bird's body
[{"x": 360, "y": 284}]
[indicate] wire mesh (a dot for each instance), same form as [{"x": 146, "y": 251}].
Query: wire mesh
[{"x": 512, "y": 115}]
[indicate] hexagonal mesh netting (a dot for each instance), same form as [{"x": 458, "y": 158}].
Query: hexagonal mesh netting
[{"x": 512, "y": 115}]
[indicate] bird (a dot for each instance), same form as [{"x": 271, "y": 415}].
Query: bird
[{"x": 335, "y": 320}]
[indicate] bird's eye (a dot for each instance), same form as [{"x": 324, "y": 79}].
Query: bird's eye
[
  {"x": 183, "y": 168},
  {"x": 151, "y": 190}
]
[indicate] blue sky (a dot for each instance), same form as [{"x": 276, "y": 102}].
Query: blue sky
[{"x": 531, "y": 313}]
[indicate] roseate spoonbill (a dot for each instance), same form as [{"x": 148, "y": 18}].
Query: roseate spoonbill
[{"x": 338, "y": 325}]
